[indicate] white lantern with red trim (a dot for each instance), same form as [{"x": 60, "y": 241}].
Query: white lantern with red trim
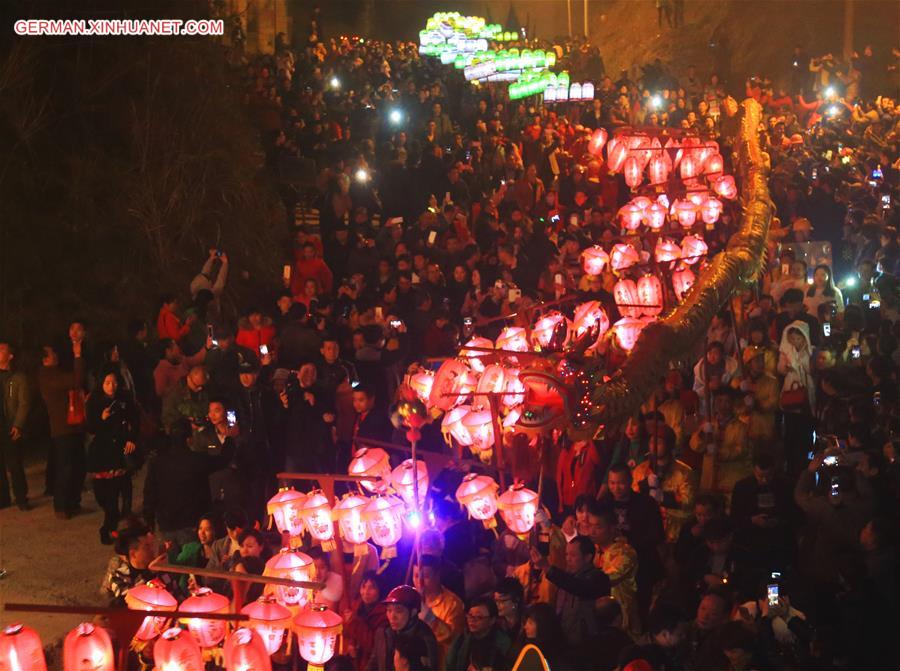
[
  {"x": 371, "y": 462},
  {"x": 690, "y": 166},
  {"x": 354, "y": 531},
  {"x": 317, "y": 629},
  {"x": 616, "y": 153},
  {"x": 631, "y": 168},
  {"x": 693, "y": 248},
  {"x": 421, "y": 383},
  {"x": 658, "y": 169},
  {"x": 493, "y": 381},
  {"x": 513, "y": 339},
  {"x": 546, "y": 327},
  {"x": 480, "y": 425},
  {"x": 452, "y": 425},
  {"x": 641, "y": 202},
  {"x": 150, "y": 596},
  {"x": 715, "y": 164},
  {"x": 655, "y": 216},
  {"x": 627, "y": 330},
  {"x": 682, "y": 280},
  {"x": 594, "y": 260},
  {"x": 402, "y": 481},
  {"x": 598, "y": 139},
  {"x": 475, "y": 356},
  {"x": 384, "y": 516},
  {"x": 711, "y": 210},
  {"x": 626, "y": 296},
  {"x": 686, "y": 212},
  {"x": 86, "y": 648},
  {"x": 269, "y": 619},
  {"x": 478, "y": 493},
  {"x": 515, "y": 390},
  {"x": 245, "y": 650},
  {"x": 590, "y": 315},
  {"x": 666, "y": 250},
  {"x": 208, "y": 633},
  {"x": 449, "y": 382},
  {"x": 21, "y": 649},
  {"x": 518, "y": 507},
  {"x": 623, "y": 256},
  {"x": 176, "y": 650},
  {"x": 631, "y": 216},
  {"x": 316, "y": 514},
  {"x": 650, "y": 295},
  {"x": 725, "y": 187},
  {"x": 284, "y": 508},
  {"x": 290, "y": 565}
]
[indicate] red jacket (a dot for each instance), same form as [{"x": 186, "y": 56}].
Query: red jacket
[
  {"x": 168, "y": 325},
  {"x": 311, "y": 269},
  {"x": 252, "y": 338},
  {"x": 577, "y": 475}
]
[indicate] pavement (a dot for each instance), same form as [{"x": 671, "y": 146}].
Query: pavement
[{"x": 52, "y": 561}]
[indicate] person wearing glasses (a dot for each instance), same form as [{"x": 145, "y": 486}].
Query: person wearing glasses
[{"x": 483, "y": 645}]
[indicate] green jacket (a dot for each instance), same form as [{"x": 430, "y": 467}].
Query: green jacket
[
  {"x": 494, "y": 654},
  {"x": 181, "y": 403},
  {"x": 16, "y": 400}
]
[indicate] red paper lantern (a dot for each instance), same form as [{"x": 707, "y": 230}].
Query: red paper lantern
[
  {"x": 626, "y": 295},
  {"x": 291, "y": 565},
  {"x": 317, "y": 629},
  {"x": 588, "y": 315},
  {"x": 655, "y": 216},
  {"x": 711, "y": 210},
  {"x": 693, "y": 248},
  {"x": 698, "y": 198},
  {"x": 598, "y": 139},
  {"x": 725, "y": 187},
  {"x": 421, "y": 383},
  {"x": 402, "y": 481},
  {"x": 446, "y": 391},
  {"x": 21, "y": 649},
  {"x": 269, "y": 619},
  {"x": 513, "y": 339},
  {"x": 623, "y": 256},
  {"x": 682, "y": 280},
  {"x": 384, "y": 516},
  {"x": 546, "y": 327},
  {"x": 631, "y": 216},
  {"x": 690, "y": 166},
  {"x": 686, "y": 212},
  {"x": 245, "y": 650},
  {"x": 715, "y": 164},
  {"x": 594, "y": 260},
  {"x": 372, "y": 462},
  {"x": 208, "y": 633},
  {"x": 284, "y": 508},
  {"x": 316, "y": 514},
  {"x": 627, "y": 330},
  {"x": 452, "y": 425},
  {"x": 632, "y": 171},
  {"x": 666, "y": 250},
  {"x": 641, "y": 202},
  {"x": 616, "y": 153},
  {"x": 176, "y": 650},
  {"x": 480, "y": 425},
  {"x": 478, "y": 493},
  {"x": 86, "y": 648},
  {"x": 150, "y": 596},
  {"x": 650, "y": 295},
  {"x": 658, "y": 169},
  {"x": 518, "y": 507}
]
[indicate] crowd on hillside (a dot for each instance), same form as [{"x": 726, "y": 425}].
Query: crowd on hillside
[{"x": 765, "y": 460}]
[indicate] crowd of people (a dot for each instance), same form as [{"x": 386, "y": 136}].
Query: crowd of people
[{"x": 745, "y": 518}]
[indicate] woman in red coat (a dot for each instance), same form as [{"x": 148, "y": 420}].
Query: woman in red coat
[
  {"x": 365, "y": 616},
  {"x": 255, "y": 330},
  {"x": 576, "y": 471}
]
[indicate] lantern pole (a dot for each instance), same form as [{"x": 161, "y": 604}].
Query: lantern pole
[
  {"x": 414, "y": 434},
  {"x": 498, "y": 439}
]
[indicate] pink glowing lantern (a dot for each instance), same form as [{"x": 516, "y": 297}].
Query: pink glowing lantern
[
  {"x": 686, "y": 212},
  {"x": 86, "y": 648},
  {"x": 480, "y": 425},
  {"x": 512, "y": 418},
  {"x": 452, "y": 425},
  {"x": 21, "y": 649},
  {"x": 711, "y": 210},
  {"x": 513, "y": 339},
  {"x": 176, "y": 650},
  {"x": 317, "y": 629},
  {"x": 475, "y": 356},
  {"x": 546, "y": 327},
  {"x": 590, "y": 315},
  {"x": 150, "y": 596},
  {"x": 598, "y": 139},
  {"x": 372, "y": 462},
  {"x": 725, "y": 187},
  {"x": 594, "y": 260},
  {"x": 655, "y": 216},
  {"x": 626, "y": 295},
  {"x": 208, "y": 633},
  {"x": 291, "y": 565},
  {"x": 658, "y": 169},
  {"x": 690, "y": 166},
  {"x": 269, "y": 619},
  {"x": 515, "y": 390},
  {"x": 384, "y": 517},
  {"x": 631, "y": 216},
  {"x": 623, "y": 256},
  {"x": 650, "y": 295},
  {"x": 447, "y": 390},
  {"x": 316, "y": 514},
  {"x": 627, "y": 330},
  {"x": 284, "y": 508},
  {"x": 666, "y": 250},
  {"x": 348, "y": 514},
  {"x": 698, "y": 198},
  {"x": 421, "y": 383},
  {"x": 682, "y": 280},
  {"x": 715, "y": 164},
  {"x": 616, "y": 153},
  {"x": 245, "y": 650},
  {"x": 402, "y": 481},
  {"x": 693, "y": 248},
  {"x": 518, "y": 506},
  {"x": 632, "y": 171},
  {"x": 478, "y": 493},
  {"x": 641, "y": 202}
]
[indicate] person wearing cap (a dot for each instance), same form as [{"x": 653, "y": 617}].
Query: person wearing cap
[
  {"x": 402, "y": 606},
  {"x": 760, "y": 390},
  {"x": 442, "y": 610}
]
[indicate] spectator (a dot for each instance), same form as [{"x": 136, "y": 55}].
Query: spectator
[{"x": 13, "y": 413}]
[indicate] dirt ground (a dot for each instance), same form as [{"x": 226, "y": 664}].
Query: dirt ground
[{"x": 51, "y": 561}]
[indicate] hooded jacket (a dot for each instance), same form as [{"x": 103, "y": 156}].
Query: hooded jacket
[{"x": 796, "y": 366}]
